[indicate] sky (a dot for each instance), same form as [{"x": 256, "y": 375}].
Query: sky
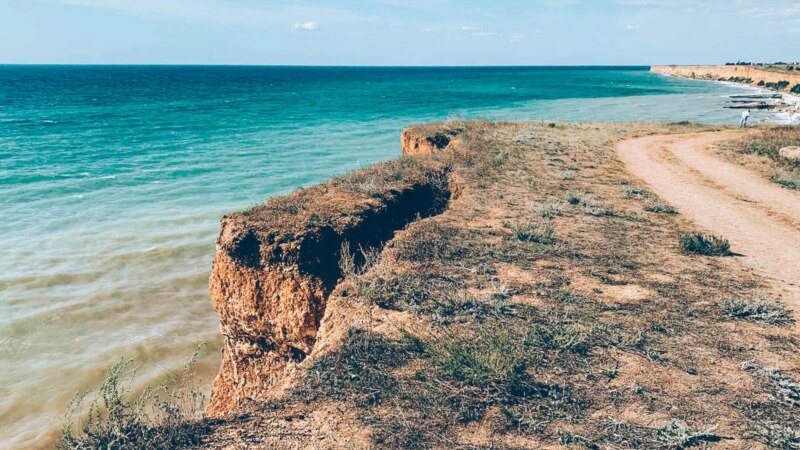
[{"x": 398, "y": 32}]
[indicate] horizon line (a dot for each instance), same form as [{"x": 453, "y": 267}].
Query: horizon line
[{"x": 331, "y": 65}]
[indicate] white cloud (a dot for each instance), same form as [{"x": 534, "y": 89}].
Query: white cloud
[
  {"x": 478, "y": 31},
  {"x": 311, "y": 25}
]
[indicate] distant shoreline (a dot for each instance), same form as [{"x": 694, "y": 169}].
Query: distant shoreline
[{"x": 786, "y": 109}]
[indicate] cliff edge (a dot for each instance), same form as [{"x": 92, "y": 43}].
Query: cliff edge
[
  {"x": 277, "y": 264},
  {"x": 752, "y": 75},
  {"x": 503, "y": 285}
]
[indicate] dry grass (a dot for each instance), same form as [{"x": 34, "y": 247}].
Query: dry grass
[
  {"x": 166, "y": 416},
  {"x": 760, "y": 151},
  {"x": 757, "y": 309},
  {"x": 545, "y": 309}
]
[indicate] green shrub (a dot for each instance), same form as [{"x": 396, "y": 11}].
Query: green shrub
[
  {"x": 707, "y": 245},
  {"x": 796, "y": 89},
  {"x": 779, "y": 86}
]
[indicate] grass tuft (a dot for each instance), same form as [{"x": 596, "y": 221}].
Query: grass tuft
[
  {"x": 165, "y": 416},
  {"x": 705, "y": 244},
  {"x": 655, "y": 206},
  {"x": 540, "y": 232},
  {"x": 789, "y": 179},
  {"x": 550, "y": 209},
  {"x": 675, "y": 435},
  {"x": 779, "y": 436},
  {"x": 757, "y": 309}
]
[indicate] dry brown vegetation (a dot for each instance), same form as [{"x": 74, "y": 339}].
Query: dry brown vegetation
[
  {"x": 550, "y": 306},
  {"x": 546, "y": 310},
  {"x": 760, "y": 152}
]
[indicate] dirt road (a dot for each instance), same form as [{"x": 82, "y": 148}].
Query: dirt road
[{"x": 759, "y": 218}]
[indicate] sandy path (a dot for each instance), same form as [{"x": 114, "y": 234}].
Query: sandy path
[{"x": 759, "y": 218}]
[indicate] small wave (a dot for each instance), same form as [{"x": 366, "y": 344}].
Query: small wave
[{"x": 49, "y": 122}]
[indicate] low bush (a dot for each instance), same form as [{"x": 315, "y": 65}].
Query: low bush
[
  {"x": 165, "y": 416},
  {"x": 779, "y": 86},
  {"x": 705, "y": 244},
  {"x": 757, "y": 309}
]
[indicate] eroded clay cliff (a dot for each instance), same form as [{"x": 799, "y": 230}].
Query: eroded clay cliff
[
  {"x": 276, "y": 264},
  {"x": 421, "y": 140},
  {"x": 724, "y": 73}
]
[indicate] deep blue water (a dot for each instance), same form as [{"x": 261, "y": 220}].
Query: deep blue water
[{"x": 112, "y": 180}]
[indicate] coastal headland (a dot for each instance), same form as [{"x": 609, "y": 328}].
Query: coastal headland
[
  {"x": 781, "y": 86},
  {"x": 753, "y": 75},
  {"x": 518, "y": 285}
]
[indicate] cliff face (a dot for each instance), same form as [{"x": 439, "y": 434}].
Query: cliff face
[
  {"x": 724, "y": 73},
  {"x": 417, "y": 141},
  {"x": 276, "y": 264}
]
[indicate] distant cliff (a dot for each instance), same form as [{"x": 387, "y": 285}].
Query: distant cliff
[{"x": 753, "y": 75}]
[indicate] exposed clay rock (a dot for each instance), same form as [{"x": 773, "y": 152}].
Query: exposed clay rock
[
  {"x": 276, "y": 265},
  {"x": 717, "y": 73},
  {"x": 421, "y": 141},
  {"x": 790, "y": 153}
]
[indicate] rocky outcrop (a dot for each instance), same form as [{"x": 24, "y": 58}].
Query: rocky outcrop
[
  {"x": 746, "y": 74},
  {"x": 417, "y": 141},
  {"x": 276, "y": 265}
]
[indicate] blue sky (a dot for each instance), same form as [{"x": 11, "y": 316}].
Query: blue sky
[{"x": 398, "y": 32}]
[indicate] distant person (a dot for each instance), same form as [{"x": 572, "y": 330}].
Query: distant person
[{"x": 745, "y": 117}]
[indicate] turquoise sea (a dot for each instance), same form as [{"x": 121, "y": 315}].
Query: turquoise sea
[{"x": 113, "y": 178}]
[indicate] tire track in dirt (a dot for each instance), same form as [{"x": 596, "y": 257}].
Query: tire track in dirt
[{"x": 760, "y": 219}]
